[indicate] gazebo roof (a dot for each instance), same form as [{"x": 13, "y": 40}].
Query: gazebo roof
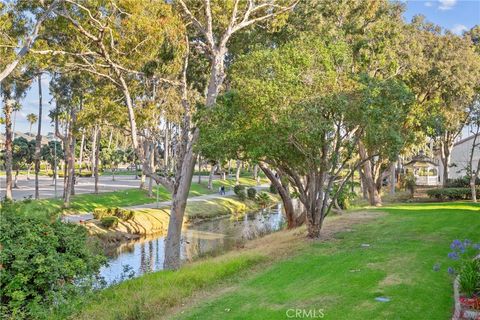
[{"x": 421, "y": 159}]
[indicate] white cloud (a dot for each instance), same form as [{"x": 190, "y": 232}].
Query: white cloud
[
  {"x": 446, "y": 4},
  {"x": 428, "y": 4},
  {"x": 459, "y": 29}
]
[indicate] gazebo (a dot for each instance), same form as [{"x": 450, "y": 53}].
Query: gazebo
[{"x": 424, "y": 169}]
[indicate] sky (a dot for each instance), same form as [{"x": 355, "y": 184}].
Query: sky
[{"x": 455, "y": 15}]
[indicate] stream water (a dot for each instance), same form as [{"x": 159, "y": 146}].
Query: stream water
[{"x": 211, "y": 237}]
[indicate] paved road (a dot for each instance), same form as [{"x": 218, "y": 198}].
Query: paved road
[{"x": 26, "y": 188}]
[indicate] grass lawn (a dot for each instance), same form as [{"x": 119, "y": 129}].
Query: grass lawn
[
  {"x": 84, "y": 203},
  {"x": 339, "y": 276}
]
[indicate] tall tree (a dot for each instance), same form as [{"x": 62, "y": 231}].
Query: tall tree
[{"x": 31, "y": 118}]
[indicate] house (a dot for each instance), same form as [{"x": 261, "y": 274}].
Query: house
[{"x": 460, "y": 158}]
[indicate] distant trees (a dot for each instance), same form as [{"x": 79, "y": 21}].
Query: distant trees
[{"x": 31, "y": 118}]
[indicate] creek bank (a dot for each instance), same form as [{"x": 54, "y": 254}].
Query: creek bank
[{"x": 148, "y": 222}]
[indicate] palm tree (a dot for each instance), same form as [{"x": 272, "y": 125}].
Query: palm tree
[{"x": 31, "y": 118}]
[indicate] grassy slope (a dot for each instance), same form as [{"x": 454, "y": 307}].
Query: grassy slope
[
  {"x": 87, "y": 202},
  {"x": 343, "y": 278},
  {"x": 339, "y": 276}
]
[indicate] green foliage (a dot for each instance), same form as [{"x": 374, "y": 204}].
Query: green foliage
[
  {"x": 123, "y": 214},
  {"x": 239, "y": 190},
  {"x": 263, "y": 199},
  {"x": 463, "y": 182},
  {"x": 409, "y": 182},
  {"x": 469, "y": 277},
  {"x": 272, "y": 189},
  {"x": 99, "y": 213},
  {"x": 109, "y": 221},
  {"x": 43, "y": 260},
  {"x": 345, "y": 196},
  {"x": 251, "y": 193},
  {"x": 451, "y": 193}
]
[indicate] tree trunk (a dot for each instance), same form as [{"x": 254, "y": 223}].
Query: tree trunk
[
  {"x": 180, "y": 195},
  {"x": 166, "y": 146},
  {"x": 152, "y": 165},
  {"x": 94, "y": 147},
  {"x": 80, "y": 156},
  {"x": 97, "y": 156},
  {"x": 210, "y": 177},
  {"x": 255, "y": 174},
  {"x": 199, "y": 169},
  {"x": 285, "y": 196},
  {"x": 15, "y": 181},
  {"x": 237, "y": 173},
  {"x": 38, "y": 140},
  {"x": 445, "y": 153},
  {"x": 392, "y": 178},
  {"x": 373, "y": 194},
  {"x": 74, "y": 143},
  {"x": 8, "y": 148}
]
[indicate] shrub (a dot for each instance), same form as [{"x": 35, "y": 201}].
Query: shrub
[
  {"x": 469, "y": 277},
  {"x": 410, "y": 183},
  {"x": 263, "y": 199},
  {"x": 345, "y": 197},
  {"x": 44, "y": 261},
  {"x": 451, "y": 193},
  {"x": 109, "y": 222},
  {"x": 124, "y": 214},
  {"x": 99, "y": 213},
  {"x": 252, "y": 193},
  {"x": 463, "y": 182},
  {"x": 272, "y": 189},
  {"x": 465, "y": 263},
  {"x": 238, "y": 189}
]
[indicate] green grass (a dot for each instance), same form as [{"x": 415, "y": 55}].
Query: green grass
[
  {"x": 339, "y": 276},
  {"x": 342, "y": 278},
  {"x": 84, "y": 203}
]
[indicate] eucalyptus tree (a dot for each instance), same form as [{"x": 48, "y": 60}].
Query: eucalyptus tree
[
  {"x": 445, "y": 79},
  {"x": 299, "y": 110},
  {"x": 21, "y": 22},
  {"x": 11, "y": 91},
  {"x": 213, "y": 24}
]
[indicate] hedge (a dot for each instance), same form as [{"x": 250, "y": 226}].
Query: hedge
[
  {"x": 123, "y": 214},
  {"x": 109, "y": 222},
  {"x": 451, "y": 193}
]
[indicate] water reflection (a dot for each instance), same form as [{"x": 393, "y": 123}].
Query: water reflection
[{"x": 206, "y": 238}]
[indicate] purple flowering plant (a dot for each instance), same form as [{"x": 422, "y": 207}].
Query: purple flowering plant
[{"x": 465, "y": 262}]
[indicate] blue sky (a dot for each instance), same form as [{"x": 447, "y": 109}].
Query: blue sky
[{"x": 455, "y": 15}]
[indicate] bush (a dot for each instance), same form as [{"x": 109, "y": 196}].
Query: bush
[
  {"x": 263, "y": 199},
  {"x": 345, "y": 197},
  {"x": 272, "y": 189},
  {"x": 124, "y": 214},
  {"x": 239, "y": 190},
  {"x": 44, "y": 261},
  {"x": 463, "y": 182},
  {"x": 469, "y": 277},
  {"x": 99, "y": 213},
  {"x": 109, "y": 222},
  {"x": 451, "y": 193},
  {"x": 252, "y": 193}
]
